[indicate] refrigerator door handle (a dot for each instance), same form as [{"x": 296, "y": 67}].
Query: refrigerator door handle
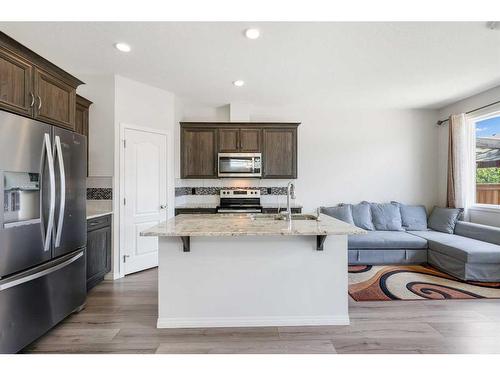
[
  {"x": 36, "y": 275},
  {"x": 62, "y": 205},
  {"x": 46, "y": 233}
]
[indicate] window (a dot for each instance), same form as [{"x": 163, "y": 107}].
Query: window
[{"x": 488, "y": 159}]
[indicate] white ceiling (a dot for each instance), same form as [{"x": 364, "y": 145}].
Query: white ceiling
[{"x": 402, "y": 65}]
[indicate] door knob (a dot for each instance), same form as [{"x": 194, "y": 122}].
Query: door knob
[{"x": 163, "y": 206}]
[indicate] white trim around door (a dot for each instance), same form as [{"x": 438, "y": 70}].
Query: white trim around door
[{"x": 122, "y": 237}]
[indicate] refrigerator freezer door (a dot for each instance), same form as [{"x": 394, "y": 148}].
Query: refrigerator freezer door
[
  {"x": 70, "y": 163},
  {"x": 34, "y": 301},
  {"x": 24, "y": 193}
]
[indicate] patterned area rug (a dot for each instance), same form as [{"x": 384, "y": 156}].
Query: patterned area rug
[{"x": 386, "y": 283}]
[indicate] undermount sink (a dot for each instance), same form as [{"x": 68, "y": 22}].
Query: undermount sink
[{"x": 283, "y": 217}]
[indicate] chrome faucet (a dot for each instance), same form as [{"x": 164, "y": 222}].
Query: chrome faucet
[{"x": 290, "y": 193}]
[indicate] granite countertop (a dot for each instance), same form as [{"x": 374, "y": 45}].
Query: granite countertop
[
  {"x": 92, "y": 214},
  {"x": 243, "y": 225},
  {"x": 282, "y": 205},
  {"x": 214, "y": 205},
  {"x": 97, "y": 208}
]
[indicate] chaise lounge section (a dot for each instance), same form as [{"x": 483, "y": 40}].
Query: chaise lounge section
[
  {"x": 471, "y": 253},
  {"x": 467, "y": 251}
]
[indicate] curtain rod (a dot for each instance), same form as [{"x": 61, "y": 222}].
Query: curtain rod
[{"x": 441, "y": 122}]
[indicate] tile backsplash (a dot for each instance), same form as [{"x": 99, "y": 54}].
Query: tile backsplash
[
  {"x": 99, "y": 188},
  {"x": 213, "y": 190},
  {"x": 99, "y": 193}
]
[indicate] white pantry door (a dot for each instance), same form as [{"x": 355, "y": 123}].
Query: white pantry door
[{"x": 145, "y": 196}]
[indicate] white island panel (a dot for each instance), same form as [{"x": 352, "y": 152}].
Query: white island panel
[{"x": 245, "y": 281}]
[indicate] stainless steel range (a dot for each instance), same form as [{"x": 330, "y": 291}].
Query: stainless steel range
[{"x": 239, "y": 201}]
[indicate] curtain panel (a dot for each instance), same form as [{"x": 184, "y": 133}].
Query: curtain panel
[{"x": 461, "y": 189}]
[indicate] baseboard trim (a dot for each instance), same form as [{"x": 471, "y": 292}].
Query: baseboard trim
[
  {"x": 333, "y": 320},
  {"x": 113, "y": 276}
]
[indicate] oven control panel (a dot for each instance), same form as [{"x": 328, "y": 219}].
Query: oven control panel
[{"x": 239, "y": 193}]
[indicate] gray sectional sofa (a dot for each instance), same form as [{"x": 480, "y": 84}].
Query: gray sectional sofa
[{"x": 465, "y": 250}]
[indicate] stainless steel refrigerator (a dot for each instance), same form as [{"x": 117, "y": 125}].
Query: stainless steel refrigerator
[{"x": 43, "y": 229}]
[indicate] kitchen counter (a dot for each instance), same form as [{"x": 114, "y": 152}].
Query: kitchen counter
[
  {"x": 96, "y": 214},
  {"x": 214, "y": 225},
  {"x": 230, "y": 270},
  {"x": 214, "y": 205},
  {"x": 97, "y": 208}
]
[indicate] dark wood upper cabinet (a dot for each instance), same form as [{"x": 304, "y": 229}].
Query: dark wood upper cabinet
[
  {"x": 82, "y": 115},
  {"x": 279, "y": 153},
  {"x": 55, "y": 100},
  {"x": 34, "y": 87},
  {"x": 229, "y": 140},
  {"x": 15, "y": 84},
  {"x": 276, "y": 141},
  {"x": 250, "y": 140},
  {"x": 82, "y": 120},
  {"x": 198, "y": 152},
  {"x": 239, "y": 140}
]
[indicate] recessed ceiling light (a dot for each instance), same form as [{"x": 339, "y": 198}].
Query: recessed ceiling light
[
  {"x": 238, "y": 83},
  {"x": 252, "y": 33},
  {"x": 124, "y": 47}
]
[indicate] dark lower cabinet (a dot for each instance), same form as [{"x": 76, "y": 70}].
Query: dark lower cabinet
[{"x": 98, "y": 249}]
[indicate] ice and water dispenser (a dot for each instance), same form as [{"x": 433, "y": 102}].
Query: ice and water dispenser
[{"x": 21, "y": 198}]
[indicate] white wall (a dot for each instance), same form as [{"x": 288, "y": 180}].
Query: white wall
[
  {"x": 141, "y": 105},
  {"x": 488, "y": 217},
  {"x": 349, "y": 155},
  {"x": 101, "y": 91},
  {"x": 117, "y": 100}
]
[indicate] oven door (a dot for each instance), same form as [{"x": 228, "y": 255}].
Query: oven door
[{"x": 240, "y": 164}]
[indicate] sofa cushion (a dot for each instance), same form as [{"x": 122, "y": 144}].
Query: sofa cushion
[
  {"x": 386, "y": 216},
  {"x": 343, "y": 213},
  {"x": 444, "y": 219},
  {"x": 413, "y": 217},
  {"x": 478, "y": 232},
  {"x": 386, "y": 240},
  {"x": 466, "y": 249},
  {"x": 362, "y": 216}
]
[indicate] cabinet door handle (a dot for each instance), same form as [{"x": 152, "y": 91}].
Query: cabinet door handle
[
  {"x": 32, "y": 99},
  {"x": 39, "y": 102}
]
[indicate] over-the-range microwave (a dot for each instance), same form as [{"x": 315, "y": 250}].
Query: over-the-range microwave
[{"x": 240, "y": 164}]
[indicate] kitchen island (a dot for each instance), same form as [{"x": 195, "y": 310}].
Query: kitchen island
[{"x": 230, "y": 270}]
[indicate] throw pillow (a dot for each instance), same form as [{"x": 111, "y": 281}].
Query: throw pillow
[
  {"x": 413, "y": 217},
  {"x": 386, "y": 216},
  {"x": 444, "y": 219},
  {"x": 343, "y": 213},
  {"x": 362, "y": 216}
]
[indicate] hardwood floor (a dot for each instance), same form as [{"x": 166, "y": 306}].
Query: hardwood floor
[{"x": 120, "y": 317}]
